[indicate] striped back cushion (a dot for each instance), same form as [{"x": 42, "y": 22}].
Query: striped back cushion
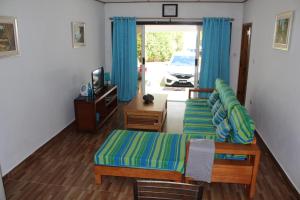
[
  {"x": 219, "y": 116},
  {"x": 223, "y": 130},
  {"x": 226, "y": 95},
  {"x": 216, "y": 107},
  {"x": 213, "y": 98},
  {"x": 242, "y": 125}
]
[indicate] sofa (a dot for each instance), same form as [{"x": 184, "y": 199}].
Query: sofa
[{"x": 221, "y": 117}]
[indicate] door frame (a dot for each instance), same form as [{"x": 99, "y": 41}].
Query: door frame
[
  {"x": 197, "y": 54},
  {"x": 243, "y": 70}
]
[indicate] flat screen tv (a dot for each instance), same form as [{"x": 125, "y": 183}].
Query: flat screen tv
[{"x": 98, "y": 80}]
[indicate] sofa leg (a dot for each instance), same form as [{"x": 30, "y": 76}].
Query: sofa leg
[
  {"x": 98, "y": 179},
  {"x": 254, "y": 175}
]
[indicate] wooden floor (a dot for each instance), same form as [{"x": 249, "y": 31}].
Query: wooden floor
[{"x": 62, "y": 169}]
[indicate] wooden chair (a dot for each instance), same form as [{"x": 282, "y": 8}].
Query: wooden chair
[{"x": 151, "y": 190}]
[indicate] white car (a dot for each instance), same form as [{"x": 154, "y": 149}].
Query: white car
[{"x": 181, "y": 70}]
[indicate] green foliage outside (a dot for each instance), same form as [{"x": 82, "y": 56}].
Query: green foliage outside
[{"x": 160, "y": 45}]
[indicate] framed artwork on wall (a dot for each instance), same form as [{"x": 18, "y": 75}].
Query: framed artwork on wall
[
  {"x": 78, "y": 34},
  {"x": 8, "y": 36},
  {"x": 283, "y": 27},
  {"x": 170, "y": 10}
]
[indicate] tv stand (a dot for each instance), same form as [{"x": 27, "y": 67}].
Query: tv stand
[{"x": 92, "y": 113}]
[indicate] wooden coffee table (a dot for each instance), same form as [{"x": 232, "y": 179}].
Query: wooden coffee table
[{"x": 138, "y": 115}]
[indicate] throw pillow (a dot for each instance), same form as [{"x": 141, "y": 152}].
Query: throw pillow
[
  {"x": 219, "y": 116},
  {"x": 213, "y": 98},
  {"x": 223, "y": 130},
  {"x": 242, "y": 125},
  {"x": 216, "y": 106}
]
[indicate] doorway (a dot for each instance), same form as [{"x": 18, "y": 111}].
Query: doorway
[
  {"x": 167, "y": 57},
  {"x": 244, "y": 62}
]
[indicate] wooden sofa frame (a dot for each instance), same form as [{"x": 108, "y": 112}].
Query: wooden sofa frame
[{"x": 226, "y": 171}]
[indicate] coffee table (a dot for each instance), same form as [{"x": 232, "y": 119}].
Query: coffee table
[{"x": 138, "y": 115}]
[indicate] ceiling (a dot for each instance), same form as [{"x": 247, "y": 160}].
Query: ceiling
[{"x": 173, "y": 1}]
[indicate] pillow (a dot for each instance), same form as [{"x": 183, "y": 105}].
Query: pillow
[
  {"x": 216, "y": 106},
  {"x": 213, "y": 98},
  {"x": 223, "y": 130},
  {"x": 219, "y": 116},
  {"x": 242, "y": 125}
]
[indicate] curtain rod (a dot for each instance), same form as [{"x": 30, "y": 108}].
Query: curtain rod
[{"x": 170, "y": 19}]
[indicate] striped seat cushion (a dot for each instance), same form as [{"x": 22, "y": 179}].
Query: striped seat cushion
[
  {"x": 196, "y": 102},
  {"x": 194, "y": 131},
  {"x": 242, "y": 125},
  {"x": 147, "y": 150},
  {"x": 197, "y": 116}
]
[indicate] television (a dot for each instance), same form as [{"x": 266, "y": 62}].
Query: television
[{"x": 97, "y": 80}]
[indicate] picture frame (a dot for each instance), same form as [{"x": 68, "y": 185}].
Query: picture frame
[
  {"x": 282, "y": 32},
  {"x": 78, "y": 34},
  {"x": 9, "y": 44},
  {"x": 170, "y": 10}
]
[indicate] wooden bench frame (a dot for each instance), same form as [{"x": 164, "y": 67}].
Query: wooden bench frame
[
  {"x": 225, "y": 171},
  {"x": 233, "y": 171}
]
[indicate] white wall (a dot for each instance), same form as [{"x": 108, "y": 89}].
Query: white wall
[
  {"x": 2, "y": 192},
  {"x": 185, "y": 10},
  {"x": 273, "y": 83},
  {"x": 38, "y": 86}
]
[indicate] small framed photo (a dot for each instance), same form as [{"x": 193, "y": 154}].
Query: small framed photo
[
  {"x": 8, "y": 36},
  {"x": 283, "y": 27},
  {"x": 170, "y": 10},
  {"x": 78, "y": 31}
]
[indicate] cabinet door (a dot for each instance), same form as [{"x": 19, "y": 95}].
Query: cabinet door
[{"x": 85, "y": 116}]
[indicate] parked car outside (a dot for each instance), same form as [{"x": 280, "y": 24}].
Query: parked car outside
[{"x": 181, "y": 70}]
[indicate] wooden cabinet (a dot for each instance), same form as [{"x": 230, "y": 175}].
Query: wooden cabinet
[{"x": 91, "y": 113}]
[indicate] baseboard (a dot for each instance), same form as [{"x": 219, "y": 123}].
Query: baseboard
[
  {"x": 6, "y": 176},
  {"x": 286, "y": 178}
]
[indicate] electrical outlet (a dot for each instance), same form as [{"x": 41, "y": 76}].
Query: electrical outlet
[{"x": 250, "y": 101}]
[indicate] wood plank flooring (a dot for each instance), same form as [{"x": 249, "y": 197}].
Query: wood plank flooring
[{"x": 62, "y": 169}]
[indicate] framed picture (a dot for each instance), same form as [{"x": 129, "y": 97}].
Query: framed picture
[
  {"x": 78, "y": 31},
  {"x": 8, "y": 36},
  {"x": 283, "y": 26},
  {"x": 170, "y": 10}
]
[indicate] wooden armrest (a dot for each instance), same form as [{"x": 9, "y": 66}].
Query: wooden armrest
[
  {"x": 230, "y": 148},
  {"x": 236, "y": 149},
  {"x": 206, "y": 90}
]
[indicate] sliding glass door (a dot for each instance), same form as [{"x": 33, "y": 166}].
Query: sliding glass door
[{"x": 169, "y": 58}]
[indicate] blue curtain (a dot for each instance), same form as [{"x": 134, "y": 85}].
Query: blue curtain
[
  {"x": 215, "y": 51},
  {"x": 124, "y": 57}
]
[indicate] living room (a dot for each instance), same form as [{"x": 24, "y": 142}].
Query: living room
[{"x": 47, "y": 68}]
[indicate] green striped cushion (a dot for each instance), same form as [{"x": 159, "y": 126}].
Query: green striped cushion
[
  {"x": 226, "y": 95},
  {"x": 219, "y": 116},
  {"x": 216, "y": 107},
  {"x": 147, "y": 150},
  {"x": 242, "y": 125},
  {"x": 194, "y": 131},
  {"x": 213, "y": 98},
  {"x": 223, "y": 130},
  {"x": 196, "y": 102}
]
